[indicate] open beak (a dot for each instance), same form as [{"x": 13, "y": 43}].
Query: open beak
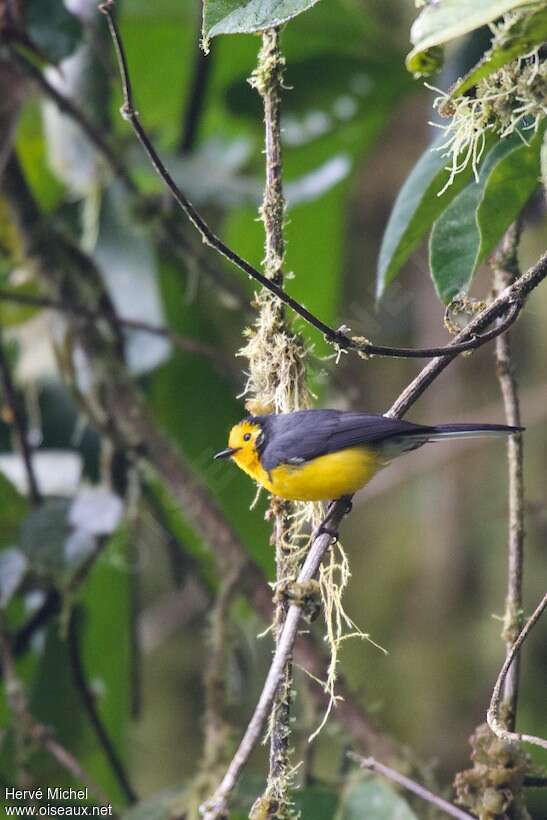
[{"x": 227, "y": 453}]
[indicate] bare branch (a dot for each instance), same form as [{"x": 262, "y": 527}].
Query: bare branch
[
  {"x": 379, "y": 768},
  {"x": 493, "y": 714},
  {"x": 337, "y": 337}
]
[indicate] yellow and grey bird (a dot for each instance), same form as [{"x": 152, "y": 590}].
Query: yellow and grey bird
[{"x": 319, "y": 455}]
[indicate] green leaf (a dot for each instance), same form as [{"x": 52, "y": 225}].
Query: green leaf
[
  {"x": 52, "y": 28},
  {"x": 441, "y": 22},
  {"x": 526, "y": 32},
  {"x": 416, "y": 208},
  {"x": 43, "y": 536},
  {"x": 61, "y": 534},
  {"x": 237, "y": 17},
  {"x": 374, "y": 800},
  {"x": 469, "y": 230}
]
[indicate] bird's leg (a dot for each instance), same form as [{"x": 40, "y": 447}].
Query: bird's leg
[{"x": 323, "y": 528}]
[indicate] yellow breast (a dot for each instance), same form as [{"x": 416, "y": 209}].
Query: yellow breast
[{"x": 324, "y": 478}]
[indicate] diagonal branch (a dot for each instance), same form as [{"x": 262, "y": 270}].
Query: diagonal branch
[
  {"x": 336, "y": 337},
  {"x": 375, "y": 766}
]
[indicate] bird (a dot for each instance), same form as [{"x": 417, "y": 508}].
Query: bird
[{"x": 324, "y": 455}]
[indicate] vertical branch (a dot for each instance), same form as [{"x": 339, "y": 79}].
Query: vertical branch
[
  {"x": 277, "y": 383},
  {"x": 268, "y": 81},
  {"x": 17, "y": 423},
  {"x": 506, "y": 270}
]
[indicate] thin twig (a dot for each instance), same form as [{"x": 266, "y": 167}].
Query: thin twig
[
  {"x": 493, "y": 714},
  {"x": 183, "y": 343},
  {"x": 535, "y": 781},
  {"x": 88, "y": 700},
  {"x": 17, "y": 422},
  {"x": 337, "y": 337},
  {"x": 505, "y": 266},
  {"x": 375, "y": 766}
]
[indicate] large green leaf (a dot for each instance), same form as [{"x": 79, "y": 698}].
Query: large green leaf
[
  {"x": 416, "y": 208},
  {"x": 469, "y": 230},
  {"x": 52, "y": 28},
  {"x": 374, "y": 800},
  {"x": 237, "y": 17},
  {"x": 527, "y": 31},
  {"x": 441, "y": 22}
]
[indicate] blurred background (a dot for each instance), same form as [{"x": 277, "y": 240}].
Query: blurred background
[{"x": 426, "y": 540}]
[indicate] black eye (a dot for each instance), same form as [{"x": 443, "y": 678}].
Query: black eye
[{"x": 247, "y": 437}]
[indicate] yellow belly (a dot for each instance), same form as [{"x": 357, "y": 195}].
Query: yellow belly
[{"x": 324, "y": 478}]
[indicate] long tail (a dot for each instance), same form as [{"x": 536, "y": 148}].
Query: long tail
[{"x": 471, "y": 431}]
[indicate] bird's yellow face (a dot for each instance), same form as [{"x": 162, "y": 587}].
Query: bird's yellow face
[{"x": 242, "y": 448}]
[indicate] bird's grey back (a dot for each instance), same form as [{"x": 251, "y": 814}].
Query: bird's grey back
[{"x": 293, "y": 438}]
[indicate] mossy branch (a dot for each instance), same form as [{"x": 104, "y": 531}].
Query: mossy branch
[{"x": 506, "y": 270}]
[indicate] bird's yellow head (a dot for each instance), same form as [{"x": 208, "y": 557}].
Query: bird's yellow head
[{"x": 243, "y": 446}]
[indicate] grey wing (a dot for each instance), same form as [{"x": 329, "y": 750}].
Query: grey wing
[{"x": 294, "y": 438}]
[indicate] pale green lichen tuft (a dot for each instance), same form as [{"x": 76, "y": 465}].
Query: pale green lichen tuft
[{"x": 510, "y": 101}]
